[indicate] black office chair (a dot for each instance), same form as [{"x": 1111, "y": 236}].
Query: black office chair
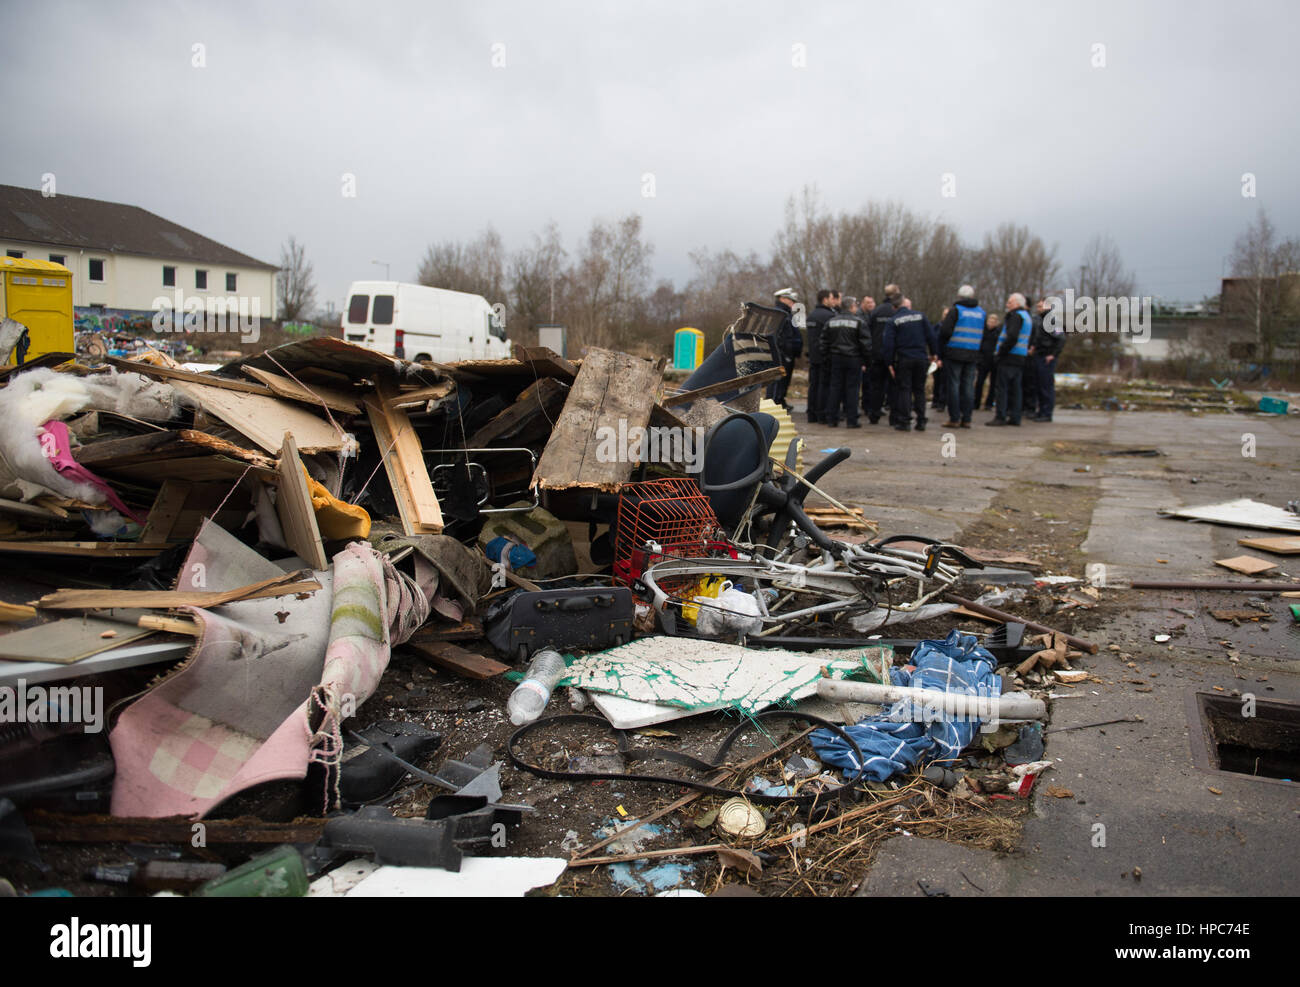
[{"x": 736, "y": 461}]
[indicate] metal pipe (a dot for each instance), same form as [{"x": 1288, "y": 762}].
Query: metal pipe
[
  {"x": 1008, "y": 618},
  {"x": 1008, "y": 706},
  {"x": 1255, "y": 587}
]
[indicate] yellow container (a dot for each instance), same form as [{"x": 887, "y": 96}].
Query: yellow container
[{"x": 38, "y": 294}]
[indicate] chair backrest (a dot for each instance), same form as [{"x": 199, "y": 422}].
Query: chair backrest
[{"x": 735, "y": 463}]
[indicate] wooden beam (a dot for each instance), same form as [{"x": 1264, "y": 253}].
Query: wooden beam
[
  {"x": 724, "y": 387},
  {"x": 534, "y": 410},
  {"x": 106, "y": 599},
  {"x": 464, "y": 663},
  {"x": 417, "y": 504},
  {"x": 53, "y": 827},
  {"x": 168, "y": 373}
]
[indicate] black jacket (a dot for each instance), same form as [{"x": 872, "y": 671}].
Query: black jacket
[
  {"x": 846, "y": 335},
  {"x": 789, "y": 340},
  {"x": 1045, "y": 342},
  {"x": 880, "y": 316},
  {"x": 817, "y": 318},
  {"x": 908, "y": 336},
  {"x": 989, "y": 345}
]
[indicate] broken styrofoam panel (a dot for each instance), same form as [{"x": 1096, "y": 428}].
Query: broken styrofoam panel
[
  {"x": 629, "y": 714},
  {"x": 1244, "y": 513},
  {"x": 478, "y": 877},
  {"x": 342, "y": 879},
  {"x": 699, "y": 675}
]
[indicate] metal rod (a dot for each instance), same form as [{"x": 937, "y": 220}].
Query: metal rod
[
  {"x": 1008, "y": 618},
  {"x": 1255, "y": 587}
]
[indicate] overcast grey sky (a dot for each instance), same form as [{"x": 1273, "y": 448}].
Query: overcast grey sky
[{"x": 1150, "y": 148}]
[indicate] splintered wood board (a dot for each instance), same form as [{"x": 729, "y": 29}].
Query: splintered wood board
[
  {"x": 1247, "y": 564},
  {"x": 292, "y": 390},
  {"x": 265, "y": 419},
  {"x": 404, "y": 462},
  {"x": 612, "y": 390},
  {"x": 1278, "y": 546},
  {"x": 293, "y": 506},
  {"x": 464, "y": 663}
]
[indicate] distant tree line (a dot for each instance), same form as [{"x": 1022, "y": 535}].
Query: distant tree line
[{"x": 603, "y": 290}]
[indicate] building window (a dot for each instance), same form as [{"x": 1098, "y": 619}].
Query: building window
[
  {"x": 59, "y": 259},
  {"x": 97, "y": 270},
  {"x": 201, "y": 280},
  {"x": 231, "y": 280},
  {"x": 14, "y": 253},
  {"x": 169, "y": 277}
]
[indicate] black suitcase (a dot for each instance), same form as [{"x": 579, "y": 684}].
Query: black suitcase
[{"x": 590, "y": 618}]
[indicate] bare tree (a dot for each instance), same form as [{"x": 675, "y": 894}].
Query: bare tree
[
  {"x": 538, "y": 280},
  {"x": 1265, "y": 290},
  {"x": 1102, "y": 272},
  {"x": 721, "y": 284},
  {"x": 477, "y": 267},
  {"x": 609, "y": 281},
  {"x": 295, "y": 282},
  {"x": 1014, "y": 259}
]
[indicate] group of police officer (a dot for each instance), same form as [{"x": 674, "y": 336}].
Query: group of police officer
[{"x": 887, "y": 350}]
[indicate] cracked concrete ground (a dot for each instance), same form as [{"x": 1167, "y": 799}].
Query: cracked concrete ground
[{"x": 1189, "y": 830}]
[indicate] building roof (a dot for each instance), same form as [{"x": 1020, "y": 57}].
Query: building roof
[{"x": 91, "y": 224}]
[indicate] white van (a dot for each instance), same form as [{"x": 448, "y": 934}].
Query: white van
[{"x": 414, "y": 322}]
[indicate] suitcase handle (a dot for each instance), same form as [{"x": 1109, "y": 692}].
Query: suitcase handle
[{"x": 576, "y": 603}]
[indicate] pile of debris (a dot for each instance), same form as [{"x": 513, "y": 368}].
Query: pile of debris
[{"x": 209, "y": 574}]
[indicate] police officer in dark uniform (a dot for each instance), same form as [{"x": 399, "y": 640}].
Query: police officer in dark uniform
[
  {"x": 827, "y": 300},
  {"x": 789, "y": 345},
  {"x": 909, "y": 347},
  {"x": 879, "y": 384},
  {"x": 846, "y": 345},
  {"x": 1045, "y": 346}
]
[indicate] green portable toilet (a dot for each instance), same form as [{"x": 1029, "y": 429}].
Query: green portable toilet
[{"x": 688, "y": 349}]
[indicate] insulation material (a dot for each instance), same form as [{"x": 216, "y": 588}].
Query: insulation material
[
  {"x": 700, "y": 675},
  {"x": 1244, "y": 513}
]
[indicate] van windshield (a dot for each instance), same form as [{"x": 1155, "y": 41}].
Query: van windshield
[
  {"x": 383, "y": 311},
  {"x": 358, "y": 306}
]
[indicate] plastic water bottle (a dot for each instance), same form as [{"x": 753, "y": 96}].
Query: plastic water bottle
[{"x": 534, "y": 692}]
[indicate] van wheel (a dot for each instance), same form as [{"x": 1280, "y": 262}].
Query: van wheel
[{"x": 423, "y": 357}]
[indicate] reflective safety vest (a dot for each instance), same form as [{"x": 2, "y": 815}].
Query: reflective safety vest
[
  {"x": 1022, "y": 341},
  {"x": 968, "y": 330}
]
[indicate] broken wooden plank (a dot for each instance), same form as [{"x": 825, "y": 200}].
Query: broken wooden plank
[
  {"x": 545, "y": 361},
  {"x": 458, "y": 660},
  {"x": 534, "y": 412},
  {"x": 1281, "y": 545},
  {"x": 293, "y": 507},
  {"x": 14, "y": 613},
  {"x": 403, "y": 456},
  {"x": 1247, "y": 565},
  {"x": 468, "y": 630},
  {"x": 186, "y": 376},
  {"x": 172, "y": 625},
  {"x": 613, "y": 391},
  {"x": 88, "y": 549},
  {"x": 100, "y": 599},
  {"x": 724, "y": 387},
  {"x": 115, "y": 454},
  {"x": 292, "y": 390},
  {"x": 54, "y": 827},
  {"x": 33, "y": 511},
  {"x": 265, "y": 419},
  {"x": 422, "y": 397}
]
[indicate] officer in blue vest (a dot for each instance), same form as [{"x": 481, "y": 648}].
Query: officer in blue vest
[
  {"x": 1013, "y": 348},
  {"x": 960, "y": 334}
]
